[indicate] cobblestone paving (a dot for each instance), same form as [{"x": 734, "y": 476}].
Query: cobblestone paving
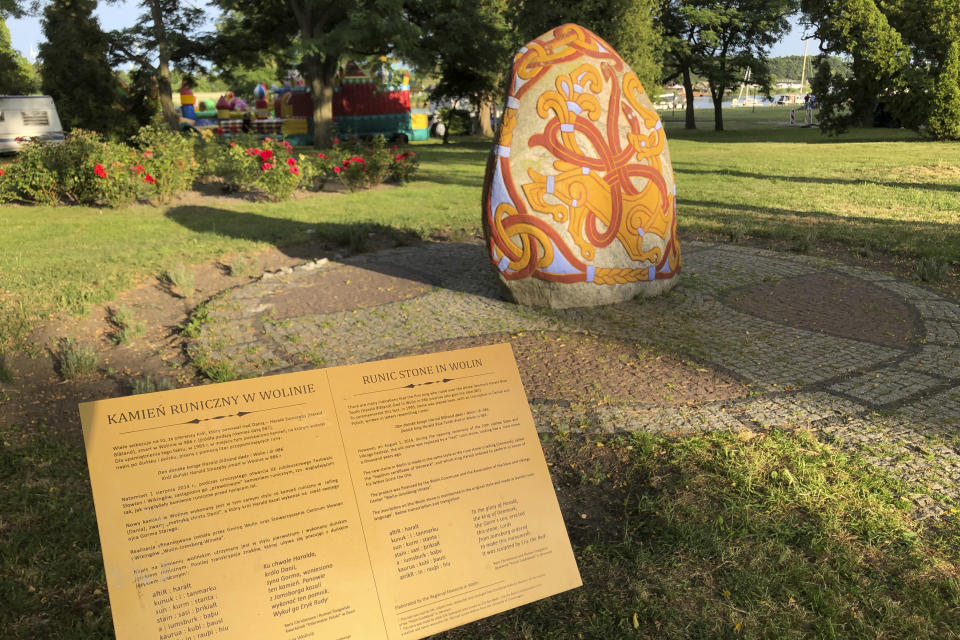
[{"x": 898, "y": 408}]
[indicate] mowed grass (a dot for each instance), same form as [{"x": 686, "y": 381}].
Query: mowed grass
[
  {"x": 721, "y": 535},
  {"x": 66, "y": 259},
  {"x": 869, "y": 190}
]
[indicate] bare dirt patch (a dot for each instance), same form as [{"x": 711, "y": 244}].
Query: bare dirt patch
[
  {"x": 831, "y": 304},
  {"x": 38, "y": 396},
  {"x": 583, "y": 368},
  {"x": 344, "y": 288}
]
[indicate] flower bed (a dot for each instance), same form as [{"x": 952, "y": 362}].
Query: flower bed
[{"x": 159, "y": 164}]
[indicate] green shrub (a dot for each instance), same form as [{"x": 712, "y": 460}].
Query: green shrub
[
  {"x": 266, "y": 166},
  {"x": 126, "y": 325},
  {"x": 352, "y": 173},
  {"x": 84, "y": 169},
  {"x": 315, "y": 170},
  {"x": 93, "y": 171},
  {"x": 933, "y": 269},
  {"x": 75, "y": 360},
  {"x": 28, "y": 179},
  {"x": 279, "y": 172},
  {"x": 945, "y": 110},
  {"x": 179, "y": 280},
  {"x": 377, "y": 161},
  {"x": 148, "y": 384},
  {"x": 404, "y": 166},
  {"x": 167, "y": 160}
]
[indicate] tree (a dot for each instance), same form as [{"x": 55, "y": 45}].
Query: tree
[
  {"x": 628, "y": 25},
  {"x": 17, "y": 76},
  {"x": 468, "y": 46},
  {"x": 322, "y": 31},
  {"x": 11, "y": 9},
  {"x": 901, "y": 56},
  {"x": 945, "y": 111},
  {"x": 719, "y": 40},
  {"x": 75, "y": 68},
  {"x": 165, "y": 35}
]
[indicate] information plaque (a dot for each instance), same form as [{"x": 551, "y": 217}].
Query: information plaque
[{"x": 391, "y": 499}]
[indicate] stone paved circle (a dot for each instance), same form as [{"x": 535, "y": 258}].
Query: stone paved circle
[{"x": 886, "y": 389}]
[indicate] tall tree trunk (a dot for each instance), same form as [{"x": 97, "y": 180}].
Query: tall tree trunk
[
  {"x": 717, "y": 94},
  {"x": 164, "y": 89},
  {"x": 691, "y": 121},
  {"x": 486, "y": 110},
  {"x": 320, "y": 76}
]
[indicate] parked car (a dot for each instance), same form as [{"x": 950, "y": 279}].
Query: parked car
[{"x": 28, "y": 118}]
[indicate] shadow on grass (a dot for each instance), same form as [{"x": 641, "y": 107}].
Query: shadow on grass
[
  {"x": 311, "y": 240},
  {"x": 761, "y": 131},
  {"x": 913, "y": 238},
  {"x": 929, "y": 186}
]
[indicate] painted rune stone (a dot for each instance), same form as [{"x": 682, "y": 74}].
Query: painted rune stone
[{"x": 579, "y": 202}]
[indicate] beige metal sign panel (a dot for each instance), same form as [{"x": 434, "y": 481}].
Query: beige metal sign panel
[{"x": 392, "y": 499}]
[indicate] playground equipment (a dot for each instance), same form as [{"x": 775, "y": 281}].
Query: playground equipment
[{"x": 365, "y": 106}]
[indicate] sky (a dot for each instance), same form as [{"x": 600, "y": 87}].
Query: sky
[{"x": 26, "y": 34}]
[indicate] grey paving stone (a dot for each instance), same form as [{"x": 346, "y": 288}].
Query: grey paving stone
[
  {"x": 943, "y": 331},
  {"x": 940, "y": 409},
  {"x": 798, "y": 410},
  {"x": 937, "y": 360},
  {"x": 884, "y": 386}
]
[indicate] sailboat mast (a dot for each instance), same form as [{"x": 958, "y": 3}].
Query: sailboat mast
[{"x": 803, "y": 74}]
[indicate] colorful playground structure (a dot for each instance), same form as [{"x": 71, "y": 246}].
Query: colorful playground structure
[{"x": 363, "y": 106}]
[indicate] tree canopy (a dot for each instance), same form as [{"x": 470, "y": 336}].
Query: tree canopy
[
  {"x": 166, "y": 34},
  {"x": 901, "y": 56},
  {"x": 469, "y": 47},
  {"x": 76, "y": 72},
  {"x": 720, "y": 40},
  {"x": 628, "y": 25},
  {"x": 321, "y": 30},
  {"x": 17, "y": 76}
]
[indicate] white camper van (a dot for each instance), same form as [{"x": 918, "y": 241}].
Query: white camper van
[{"x": 33, "y": 117}]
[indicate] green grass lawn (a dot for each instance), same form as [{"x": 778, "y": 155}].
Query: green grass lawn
[
  {"x": 708, "y": 536},
  {"x": 870, "y": 190}
]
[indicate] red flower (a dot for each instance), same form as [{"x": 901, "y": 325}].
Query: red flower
[
  {"x": 295, "y": 171},
  {"x": 336, "y": 169},
  {"x": 99, "y": 170},
  {"x": 321, "y": 156},
  {"x": 336, "y": 141},
  {"x": 266, "y": 166},
  {"x": 219, "y": 131},
  {"x": 149, "y": 179},
  {"x": 286, "y": 145},
  {"x": 266, "y": 154},
  {"x": 2, "y": 172},
  {"x": 252, "y": 152},
  {"x": 148, "y": 154},
  {"x": 233, "y": 144},
  {"x": 138, "y": 169},
  {"x": 398, "y": 157},
  {"x": 291, "y": 162},
  {"x": 266, "y": 140}
]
